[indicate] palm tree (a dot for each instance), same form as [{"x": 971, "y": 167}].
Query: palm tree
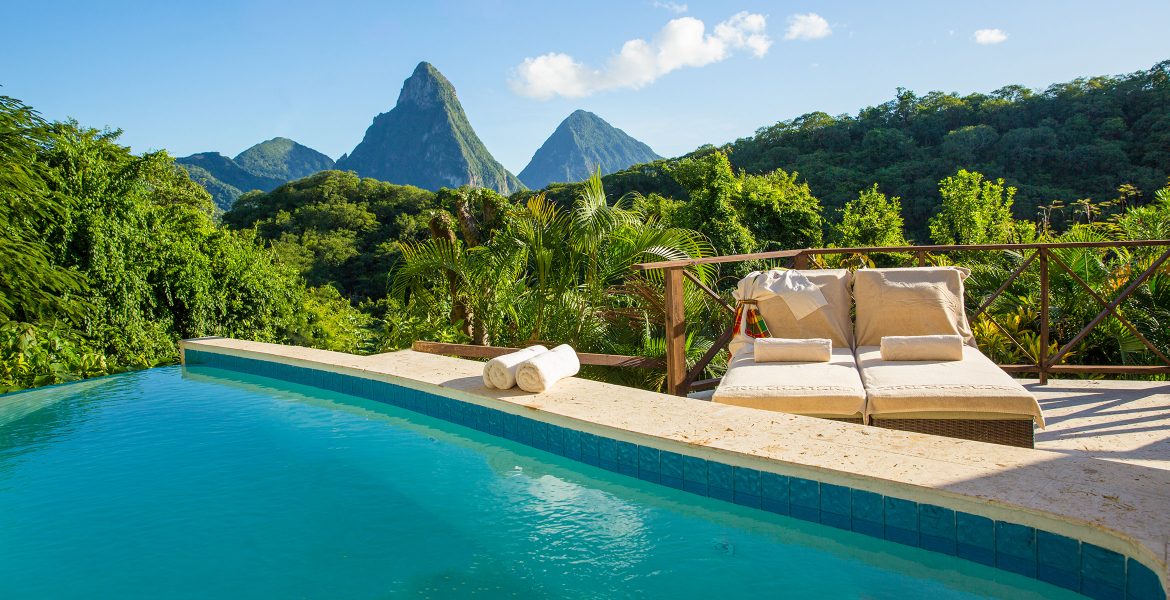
[{"x": 557, "y": 275}]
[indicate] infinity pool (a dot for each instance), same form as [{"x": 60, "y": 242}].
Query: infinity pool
[{"x": 205, "y": 483}]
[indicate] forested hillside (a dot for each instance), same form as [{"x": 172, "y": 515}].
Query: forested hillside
[
  {"x": 109, "y": 258},
  {"x": 261, "y": 167},
  {"x": 112, "y": 257},
  {"x": 1072, "y": 141}
]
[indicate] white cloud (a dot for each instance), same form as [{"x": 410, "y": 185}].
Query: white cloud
[
  {"x": 673, "y": 7},
  {"x": 682, "y": 42},
  {"x": 807, "y": 27},
  {"x": 990, "y": 36}
]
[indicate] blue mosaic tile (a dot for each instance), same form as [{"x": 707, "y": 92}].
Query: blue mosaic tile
[
  {"x": 608, "y": 451},
  {"x": 556, "y": 439},
  {"x": 836, "y": 506},
  {"x": 720, "y": 475},
  {"x": 804, "y": 499},
  {"x": 511, "y": 425},
  {"x": 671, "y": 465},
  {"x": 721, "y": 494},
  {"x": 495, "y": 423},
  {"x": 936, "y": 526},
  {"x": 975, "y": 538},
  {"x": 1141, "y": 582},
  {"x": 746, "y": 481},
  {"x": 672, "y": 482},
  {"x": 901, "y": 521},
  {"x": 464, "y": 415},
  {"x": 1102, "y": 572},
  {"x": 1058, "y": 560},
  {"x": 868, "y": 513},
  {"x": 540, "y": 435},
  {"x": 746, "y": 487},
  {"x": 573, "y": 444},
  {"x": 627, "y": 458},
  {"x": 720, "y": 481},
  {"x": 524, "y": 431},
  {"x": 1015, "y": 548},
  {"x": 775, "y": 493},
  {"x": 649, "y": 463},
  {"x": 590, "y": 451},
  {"x": 482, "y": 415},
  {"x": 695, "y": 475}
]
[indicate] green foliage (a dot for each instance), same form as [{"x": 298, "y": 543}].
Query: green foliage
[
  {"x": 782, "y": 213},
  {"x": 339, "y": 229},
  {"x": 119, "y": 256},
  {"x": 32, "y": 286},
  {"x": 713, "y": 188},
  {"x": 1080, "y": 139},
  {"x": 974, "y": 210},
  {"x": 549, "y": 274},
  {"x": 871, "y": 219}
]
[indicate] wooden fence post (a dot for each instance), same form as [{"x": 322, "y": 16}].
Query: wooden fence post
[
  {"x": 1042, "y": 355},
  {"x": 676, "y": 334}
]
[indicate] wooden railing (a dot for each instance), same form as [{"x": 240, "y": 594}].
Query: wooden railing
[
  {"x": 585, "y": 358},
  {"x": 680, "y": 380}
]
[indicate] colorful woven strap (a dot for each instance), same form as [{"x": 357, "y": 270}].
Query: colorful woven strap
[{"x": 749, "y": 321}]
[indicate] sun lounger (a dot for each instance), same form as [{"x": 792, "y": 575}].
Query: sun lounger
[
  {"x": 970, "y": 398},
  {"x": 821, "y": 389},
  {"x": 817, "y": 389}
]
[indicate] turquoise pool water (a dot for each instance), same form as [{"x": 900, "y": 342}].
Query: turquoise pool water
[{"x": 205, "y": 483}]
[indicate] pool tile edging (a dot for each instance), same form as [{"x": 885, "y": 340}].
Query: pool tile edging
[{"x": 1063, "y": 561}]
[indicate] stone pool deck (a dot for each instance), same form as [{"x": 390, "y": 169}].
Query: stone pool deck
[{"x": 1100, "y": 473}]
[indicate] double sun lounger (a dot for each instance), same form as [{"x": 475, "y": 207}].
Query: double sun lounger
[{"x": 969, "y": 398}]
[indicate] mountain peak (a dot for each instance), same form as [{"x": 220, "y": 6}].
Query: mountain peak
[
  {"x": 426, "y": 88},
  {"x": 427, "y": 141},
  {"x": 582, "y": 143}
]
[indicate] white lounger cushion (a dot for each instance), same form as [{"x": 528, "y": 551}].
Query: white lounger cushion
[
  {"x": 910, "y": 301},
  {"x": 972, "y": 388},
  {"x": 830, "y": 321},
  {"x": 817, "y": 389}
]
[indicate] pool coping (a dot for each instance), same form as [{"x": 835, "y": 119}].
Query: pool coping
[{"x": 1099, "y": 506}]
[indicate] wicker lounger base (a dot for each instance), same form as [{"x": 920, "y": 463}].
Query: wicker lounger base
[{"x": 1009, "y": 432}]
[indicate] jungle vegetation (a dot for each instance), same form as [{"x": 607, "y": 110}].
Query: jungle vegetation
[{"x": 109, "y": 258}]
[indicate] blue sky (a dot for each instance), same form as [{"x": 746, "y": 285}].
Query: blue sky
[{"x": 212, "y": 75}]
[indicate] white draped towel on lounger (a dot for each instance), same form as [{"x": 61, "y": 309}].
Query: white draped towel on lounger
[
  {"x": 542, "y": 371},
  {"x": 500, "y": 372}
]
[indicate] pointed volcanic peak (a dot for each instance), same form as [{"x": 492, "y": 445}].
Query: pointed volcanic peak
[
  {"x": 427, "y": 141},
  {"x": 283, "y": 159},
  {"x": 582, "y": 143}
]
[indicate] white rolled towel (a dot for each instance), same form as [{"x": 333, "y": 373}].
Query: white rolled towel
[
  {"x": 793, "y": 350},
  {"x": 540, "y": 372},
  {"x": 500, "y": 372},
  {"x": 922, "y": 347}
]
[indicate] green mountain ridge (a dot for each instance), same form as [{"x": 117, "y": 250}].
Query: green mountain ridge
[
  {"x": 582, "y": 143},
  {"x": 1070, "y": 141},
  {"x": 282, "y": 158},
  {"x": 263, "y": 167},
  {"x": 427, "y": 141}
]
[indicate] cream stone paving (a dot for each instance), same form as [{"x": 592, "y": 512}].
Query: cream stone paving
[
  {"x": 1126, "y": 421},
  {"x": 1122, "y": 505}
]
